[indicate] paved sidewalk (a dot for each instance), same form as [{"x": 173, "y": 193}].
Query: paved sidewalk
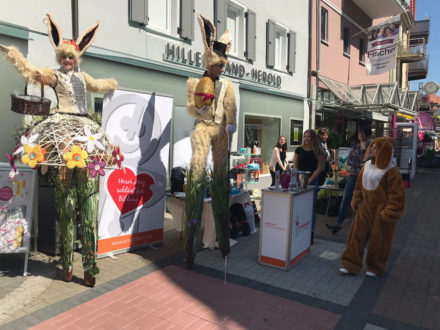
[
  {"x": 155, "y": 290},
  {"x": 168, "y": 298}
]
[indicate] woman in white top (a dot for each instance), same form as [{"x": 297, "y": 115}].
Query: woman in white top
[{"x": 278, "y": 161}]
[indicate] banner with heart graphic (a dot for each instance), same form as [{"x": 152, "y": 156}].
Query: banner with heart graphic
[
  {"x": 132, "y": 199},
  {"x": 128, "y": 190}
]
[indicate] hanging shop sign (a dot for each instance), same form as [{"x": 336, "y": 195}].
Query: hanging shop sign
[
  {"x": 181, "y": 55},
  {"x": 132, "y": 199},
  {"x": 383, "y": 42}
]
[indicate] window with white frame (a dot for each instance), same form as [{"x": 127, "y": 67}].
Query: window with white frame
[
  {"x": 160, "y": 15},
  {"x": 280, "y": 47},
  {"x": 235, "y": 25}
]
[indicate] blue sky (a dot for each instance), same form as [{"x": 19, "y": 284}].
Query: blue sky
[{"x": 425, "y": 9}]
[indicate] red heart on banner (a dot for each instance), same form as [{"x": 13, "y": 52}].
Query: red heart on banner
[{"x": 129, "y": 191}]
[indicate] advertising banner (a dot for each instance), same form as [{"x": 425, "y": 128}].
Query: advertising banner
[
  {"x": 383, "y": 40},
  {"x": 132, "y": 199},
  {"x": 16, "y": 209}
]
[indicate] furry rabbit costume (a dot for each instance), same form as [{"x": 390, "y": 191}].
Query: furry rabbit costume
[
  {"x": 70, "y": 141},
  {"x": 379, "y": 203},
  {"x": 215, "y": 121}
]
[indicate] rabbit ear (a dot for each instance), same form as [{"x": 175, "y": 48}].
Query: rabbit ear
[
  {"x": 208, "y": 32},
  {"x": 86, "y": 39},
  {"x": 54, "y": 32}
]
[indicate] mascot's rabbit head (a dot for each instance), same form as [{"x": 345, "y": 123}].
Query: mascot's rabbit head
[
  {"x": 215, "y": 51},
  {"x": 384, "y": 151},
  {"x": 69, "y": 48}
]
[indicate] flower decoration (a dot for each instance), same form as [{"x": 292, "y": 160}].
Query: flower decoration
[
  {"x": 118, "y": 157},
  {"x": 75, "y": 157},
  {"x": 96, "y": 167},
  {"x": 33, "y": 156},
  {"x": 24, "y": 140},
  {"x": 91, "y": 139},
  {"x": 192, "y": 223}
]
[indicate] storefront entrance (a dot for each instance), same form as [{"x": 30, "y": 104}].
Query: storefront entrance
[{"x": 265, "y": 130}]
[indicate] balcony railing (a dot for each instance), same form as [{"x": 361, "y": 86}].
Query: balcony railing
[
  {"x": 418, "y": 70},
  {"x": 420, "y": 29},
  {"x": 413, "y": 51}
]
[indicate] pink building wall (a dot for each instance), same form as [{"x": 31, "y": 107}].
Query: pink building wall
[{"x": 333, "y": 63}]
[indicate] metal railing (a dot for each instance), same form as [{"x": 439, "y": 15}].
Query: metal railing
[{"x": 412, "y": 51}]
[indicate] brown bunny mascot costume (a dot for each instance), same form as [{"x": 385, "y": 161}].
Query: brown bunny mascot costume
[
  {"x": 379, "y": 203},
  {"x": 69, "y": 142},
  {"x": 211, "y": 102}
]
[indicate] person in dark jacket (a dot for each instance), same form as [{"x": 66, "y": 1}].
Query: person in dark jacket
[{"x": 355, "y": 161}]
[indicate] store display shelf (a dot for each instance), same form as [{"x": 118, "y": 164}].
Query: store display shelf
[{"x": 235, "y": 153}]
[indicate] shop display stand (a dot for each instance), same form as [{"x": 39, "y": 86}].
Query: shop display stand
[
  {"x": 285, "y": 229},
  {"x": 237, "y": 158},
  {"x": 16, "y": 196}
]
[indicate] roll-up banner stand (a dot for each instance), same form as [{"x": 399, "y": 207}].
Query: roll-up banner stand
[{"x": 132, "y": 199}]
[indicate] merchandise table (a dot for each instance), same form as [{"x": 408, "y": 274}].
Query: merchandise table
[
  {"x": 176, "y": 206},
  {"x": 332, "y": 191},
  {"x": 286, "y": 226}
]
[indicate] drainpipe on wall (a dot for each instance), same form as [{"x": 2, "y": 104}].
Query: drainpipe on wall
[
  {"x": 74, "y": 4},
  {"x": 318, "y": 58},
  {"x": 309, "y": 66}
]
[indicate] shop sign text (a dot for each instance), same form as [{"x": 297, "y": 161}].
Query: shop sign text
[{"x": 180, "y": 55}]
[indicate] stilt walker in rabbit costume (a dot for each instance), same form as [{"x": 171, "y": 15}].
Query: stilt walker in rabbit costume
[
  {"x": 70, "y": 142},
  {"x": 211, "y": 102},
  {"x": 379, "y": 203}
]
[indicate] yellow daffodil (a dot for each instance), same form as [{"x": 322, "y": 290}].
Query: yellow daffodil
[
  {"x": 75, "y": 157},
  {"x": 33, "y": 156}
]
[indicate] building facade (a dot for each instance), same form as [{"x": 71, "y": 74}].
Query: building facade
[
  {"x": 343, "y": 96},
  {"x": 154, "y": 46}
]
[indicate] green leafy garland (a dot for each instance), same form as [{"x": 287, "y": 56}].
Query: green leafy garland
[
  {"x": 220, "y": 205},
  {"x": 195, "y": 192}
]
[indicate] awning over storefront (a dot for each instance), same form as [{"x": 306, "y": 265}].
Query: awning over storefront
[{"x": 371, "y": 100}]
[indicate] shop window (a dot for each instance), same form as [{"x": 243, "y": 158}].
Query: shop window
[
  {"x": 296, "y": 132},
  {"x": 324, "y": 25},
  {"x": 265, "y": 130},
  {"x": 235, "y": 25},
  {"x": 362, "y": 50},
  {"x": 173, "y": 17},
  {"x": 346, "y": 37}
]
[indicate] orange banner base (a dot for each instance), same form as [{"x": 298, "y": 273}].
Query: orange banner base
[{"x": 128, "y": 241}]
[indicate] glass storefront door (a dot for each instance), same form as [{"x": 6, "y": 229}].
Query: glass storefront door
[{"x": 265, "y": 130}]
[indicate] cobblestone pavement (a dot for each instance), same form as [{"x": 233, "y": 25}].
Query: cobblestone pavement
[{"x": 153, "y": 289}]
